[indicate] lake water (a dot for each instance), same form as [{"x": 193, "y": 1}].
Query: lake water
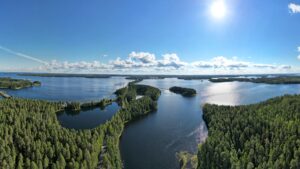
[
  {"x": 151, "y": 142},
  {"x": 87, "y": 119},
  {"x": 69, "y": 88}
]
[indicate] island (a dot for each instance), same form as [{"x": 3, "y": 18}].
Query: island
[
  {"x": 186, "y": 92},
  {"x": 9, "y": 83},
  {"x": 267, "y": 80}
]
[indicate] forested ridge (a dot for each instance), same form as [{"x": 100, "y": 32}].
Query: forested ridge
[
  {"x": 262, "y": 136},
  {"x": 31, "y": 136}
]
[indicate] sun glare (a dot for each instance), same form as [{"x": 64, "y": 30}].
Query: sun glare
[{"x": 218, "y": 9}]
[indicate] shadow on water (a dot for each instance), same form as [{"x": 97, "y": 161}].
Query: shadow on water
[{"x": 87, "y": 118}]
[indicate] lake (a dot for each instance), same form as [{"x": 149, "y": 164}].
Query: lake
[
  {"x": 152, "y": 141},
  {"x": 68, "y": 88}
]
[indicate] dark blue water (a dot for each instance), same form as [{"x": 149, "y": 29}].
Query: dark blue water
[
  {"x": 152, "y": 142},
  {"x": 87, "y": 119}
]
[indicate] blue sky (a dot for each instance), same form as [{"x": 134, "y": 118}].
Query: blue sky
[{"x": 161, "y": 36}]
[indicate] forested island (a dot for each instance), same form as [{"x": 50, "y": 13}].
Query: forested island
[
  {"x": 264, "y": 135},
  {"x": 31, "y": 136},
  {"x": 267, "y": 80},
  {"x": 9, "y": 83},
  {"x": 186, "y": 92}
]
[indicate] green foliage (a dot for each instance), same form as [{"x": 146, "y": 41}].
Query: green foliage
[
  {"x": 31, "y": 137},
  {"x": 9, "y": 83},
  {"x": 102, "y": 104},
  {"x": 262, "y": 136},
  {"x": 187, "y": 160},
  {"x": 187, "y": 92},
  {"x": 127, "y": 94},
  {"x": 73, "y": 106}
]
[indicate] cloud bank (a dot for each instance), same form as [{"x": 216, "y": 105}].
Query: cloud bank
[
  {"x": 294, "y": 8},
  {"x": 145, "y": 62}
]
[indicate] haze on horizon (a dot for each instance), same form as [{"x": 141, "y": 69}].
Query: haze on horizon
[{"x": 153, "y": 37}]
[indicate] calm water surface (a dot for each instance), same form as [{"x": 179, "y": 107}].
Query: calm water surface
[
  {"x": 152, "y": 142},
  {"x": 87, "y": 119},
  {"x": 69, "y": 88}
]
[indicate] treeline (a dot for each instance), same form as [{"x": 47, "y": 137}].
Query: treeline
[
  {"x": 31, "y": 136},
  {"x": 268, "y": 80},
  {"x": 9, "y": 83},
  {"x": 262, "y": 136},
  {"x": 77, "y": 106},
  {"x": 186, "y": 92}
]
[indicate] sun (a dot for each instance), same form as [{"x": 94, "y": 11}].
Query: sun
[{"x": 218, "y": 9}]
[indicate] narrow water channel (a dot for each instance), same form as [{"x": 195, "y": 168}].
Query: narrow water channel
[{"x": 153, "y": 141}]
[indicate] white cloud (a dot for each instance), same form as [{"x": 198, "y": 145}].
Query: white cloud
[
  {"x": 299, "y": 49},
  {"x": 221, "y": 62},
  {"x": 144, "y": 57},
  {"x": 75, "y": 66},
  {"x": 298, "y": 57},
  {"x": 294, "y": 8},
  {"x": 171, "y": 60},
  {"x": 265, "y": 66},
  {"x": 287, "y": 67}
]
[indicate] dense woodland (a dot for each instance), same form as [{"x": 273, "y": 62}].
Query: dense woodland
[
  {"x": 9, "y": 83},
  {"x": 262, "y": 136},
  {"x": 268, "y": 80},
  {"x": 186, "y": 92},
  {"x": 31, "y": 136}
]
